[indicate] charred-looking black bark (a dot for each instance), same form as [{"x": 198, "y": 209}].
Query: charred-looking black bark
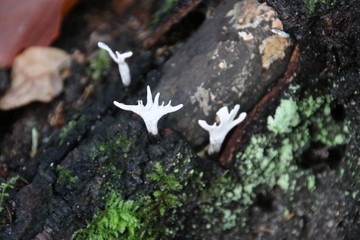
[
  {"x": 115, "y": 155},
  {"x": 296, "y": 176},
  {"x": 327, "y": 31}
]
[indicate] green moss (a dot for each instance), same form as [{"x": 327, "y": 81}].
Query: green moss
[
  {"x": 106, "y": 148},
  {"x": 159, "y": 203},
  {"x": 106, "y": 155},
  {"x": 99, "y": 65},
  {"x": 70, "y": 126},
  {"x": 166, "y": 7},
  {"x": 145, "y": 219},
  {"x": 3, "y": 189},
  {"x": 163, "y": 196},
  {"x": 118, "y": 220},
  {"x": 311, "y": 4},
  {"x": 65, "y": 175}
]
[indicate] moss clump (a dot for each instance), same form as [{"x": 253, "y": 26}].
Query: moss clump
[
  {"x": 163, "y": 197},
  {"x": 311, "y": 4},
  {"x": 3, "y": 190},
  {"x": 159, "y": 204},
  {"x": 143, "y": 219},
  {"x": 99, "y": 65},
  {"x": 118, "y": 220},
  {"x": 166, "y": 7},
  {"x": 106, "y": 148},
  {"x": 70, "y": 126},
  {"x": 65, "y": 175}
]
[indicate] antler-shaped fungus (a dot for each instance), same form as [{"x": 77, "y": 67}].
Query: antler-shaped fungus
[
  {"x": 218, "y": 132},
  {"x": 119, "y": 58},
  {"x": 151, "y": 112}
]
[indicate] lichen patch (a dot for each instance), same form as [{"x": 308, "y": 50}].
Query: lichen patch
[
  {"x": 277, "y": 24},
  {"x": 246, "y": 36},
  {"x": 250, "y": 14},
  {"x": 223, "y": 64},
  {"x": 272, "y": 49},
  {"x": 203, "y": 97}
]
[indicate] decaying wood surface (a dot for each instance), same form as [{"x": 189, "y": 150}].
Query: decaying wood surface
[
  {"x": 237, "y": 137},
  {"x": 234, "y": 57}
]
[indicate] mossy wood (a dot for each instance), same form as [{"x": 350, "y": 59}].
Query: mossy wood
[{"x": 295, "y": 176}]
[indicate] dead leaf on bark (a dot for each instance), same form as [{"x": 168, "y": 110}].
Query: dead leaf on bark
[
  {"x": 25, "y": 23},
  {"x": 37, "y": 75}
]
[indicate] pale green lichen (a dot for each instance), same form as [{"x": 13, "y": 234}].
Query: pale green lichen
[
  {"x": 269, "y": 160},
  {"x": 311, "y": 183},
  {"x": 286, "y": 117}
]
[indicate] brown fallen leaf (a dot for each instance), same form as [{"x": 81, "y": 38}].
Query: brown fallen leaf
[
  {"x": 25, "y": 23},
  {"x": 37, "y": 75}
]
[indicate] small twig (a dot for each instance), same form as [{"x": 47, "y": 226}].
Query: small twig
[
  {"x": 9, "y": 213},
  {"x": 176, "y": 17}
]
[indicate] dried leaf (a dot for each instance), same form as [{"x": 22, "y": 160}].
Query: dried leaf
[
  {"x": 25, "y": 23},
  {"x": 37, "y": 75}
]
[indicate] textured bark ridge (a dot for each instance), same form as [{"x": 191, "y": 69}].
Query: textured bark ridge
[{"x": 117, "y": 154}]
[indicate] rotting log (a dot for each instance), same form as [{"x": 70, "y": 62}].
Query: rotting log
[
  {"x": 233, "y": 58},
  {"x": 237, "y": 137},
  {"x": 116, "y": 155},
  {"x": 53, "y": 207}
]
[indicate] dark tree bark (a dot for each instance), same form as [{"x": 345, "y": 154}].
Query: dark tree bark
[{"x": 234, "y": 57}]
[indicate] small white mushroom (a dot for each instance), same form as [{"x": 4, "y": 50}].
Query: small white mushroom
[
  {"x": 280, "y": 32},
  {"x": 218, "y": 132},
  {"x": 151, "y": 112},
  {"x": 119, "y": 58}
]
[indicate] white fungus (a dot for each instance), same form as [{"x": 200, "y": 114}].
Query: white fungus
[
  {"x": 119, "y": 58},
  {"x": 151, "y": 112},
  {"x": 218, "y": 132},
  {"x": 280, "y": 32}
]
